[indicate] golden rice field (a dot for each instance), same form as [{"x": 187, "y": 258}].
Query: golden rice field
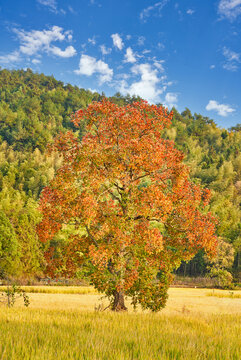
[
  {"x": 80, "y": 290},
  {"x": 196, "y": 324}
]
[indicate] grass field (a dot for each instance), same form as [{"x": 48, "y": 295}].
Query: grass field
[
  {"x": 79, "y": 290},
  {"x": 194, "y": 325}
]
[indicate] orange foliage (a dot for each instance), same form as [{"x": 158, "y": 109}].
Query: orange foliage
[{"x": 129, "y": 191}]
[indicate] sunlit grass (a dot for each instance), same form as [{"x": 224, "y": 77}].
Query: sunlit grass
[
  {"x": 66, "y": 327},
  {"x": 81, "y": 290},
  {"x": 224, "y": 294}
]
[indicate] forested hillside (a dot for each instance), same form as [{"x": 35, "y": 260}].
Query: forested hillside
[
  {"x": 214, "y": 157},
  {"x": 34, "y": 108}
]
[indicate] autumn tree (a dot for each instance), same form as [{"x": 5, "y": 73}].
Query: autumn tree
[{"x": 125, "y": 201}]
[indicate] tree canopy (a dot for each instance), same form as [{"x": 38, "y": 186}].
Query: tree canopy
[{"x": 127, "y": 194}]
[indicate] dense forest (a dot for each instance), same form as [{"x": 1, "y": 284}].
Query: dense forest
[{"x": 34, "y": 108}]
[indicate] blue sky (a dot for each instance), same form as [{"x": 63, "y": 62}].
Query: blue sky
[{"x": 182, "y": 53}]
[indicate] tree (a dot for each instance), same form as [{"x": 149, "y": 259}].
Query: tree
[
  {"x": 9, "y": 248},
  {"x": 221, "y": 264},
  {"x": 126, "y": 194}
]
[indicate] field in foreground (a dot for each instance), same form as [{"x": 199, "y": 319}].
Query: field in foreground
[{"x": 194, "y": 325}]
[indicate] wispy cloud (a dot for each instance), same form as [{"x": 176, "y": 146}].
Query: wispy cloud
[
  {"x": 35, "y": 42},
  {"x": 232, "y": 59},
  {"x": 231, "y": 55},
  {"x": 160, "y": 46},
  {"x": 229, "y": 9},
  {"x": 141, "y": 40},
  {"x": 13, "y": 57},
  {"x": 88, "y": 65},
  {"x": 92, "y": 40},
  {"x": 159, "y": 65},
  {"x": 105, "y": 50},
  {"x": 117, "y": 41},
  {"x": 71, "y": 10},
  {"x": 129, "y": 56},
  {"x": 52, "y": 6},
  {"x": 36, "y": 61},
  {"x": 155, "y": 8},
  {"x": 146, "y": 51},
  {"x": 95, "y": 3},
  {"x": 221, "y": 109},
  {"x": 190, "y": 11}
]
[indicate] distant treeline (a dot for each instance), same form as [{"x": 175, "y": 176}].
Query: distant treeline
[{"x": 34, "y": 108}]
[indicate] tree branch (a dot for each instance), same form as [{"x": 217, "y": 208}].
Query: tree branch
[{"x": 91, "y": 237}]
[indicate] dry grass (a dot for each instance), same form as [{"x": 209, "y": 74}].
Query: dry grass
[
  {"x": 225, "y": 294},
  {"x": 80, "y": 290},
  {"x": 66, "y": 327}
]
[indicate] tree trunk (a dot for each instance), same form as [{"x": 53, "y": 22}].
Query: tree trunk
[{"x": 119, "y": 302}]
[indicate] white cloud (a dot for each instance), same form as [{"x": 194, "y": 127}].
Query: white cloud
[
  {"x": 129, "y": 56},
  {"x": 231, "y": 55},
  {"x": 93, "y": 90},
  {"x": 105, "y": 50},
  {"x": 212, "y": 67},
  {"x": 221, "y": 109},
  {"x": 190, "y": 11},
  {"x": 13, "y": 57},
  {"x": 117, "y": 41},
  {"x": 141, "y": 40},
  {"x": 88, "y": 65},
  {"x": 229, "y": 9},
  {"x": 94, "y": 2},
  {"x": 171, "y": 99},
  {"x": 150, "y": 85},
  {"x": 158, "y": 65},
  {"x": 68, "y": 52},
  {"x": 35, "y": 42},
  {"x": 232, "y": 59},
  {"x": 156, "y": 8},
  {"x": 36, "y": 61},
  {"x": 160, "y": 46},
  {"x": 230, "y": 66},
  {"x": 92, "y": 40},
  {"x": 51, "y": 4}
]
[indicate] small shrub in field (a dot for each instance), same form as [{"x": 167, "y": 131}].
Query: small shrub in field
[{"x": 12, "y": 293}]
